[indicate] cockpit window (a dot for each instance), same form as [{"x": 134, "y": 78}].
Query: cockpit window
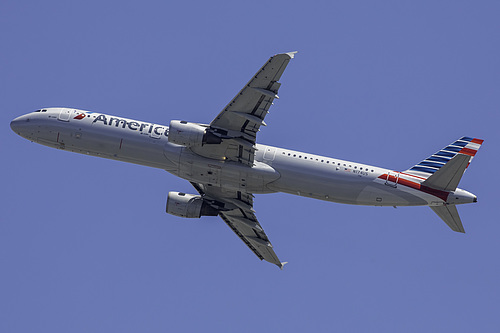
[
  {"x": 38, "y": 110},
  {"x": 43, "y": 110}
]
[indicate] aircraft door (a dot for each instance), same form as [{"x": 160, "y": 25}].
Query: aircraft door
[
  {"x": 269, "y": 154},
  {"x": 64, "y": 115},
  {"x": 392, "y": 179}
]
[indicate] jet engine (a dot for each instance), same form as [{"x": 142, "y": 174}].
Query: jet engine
[
  {"x": 190, "y": 134},
  {"x": 189, "y": 205}
]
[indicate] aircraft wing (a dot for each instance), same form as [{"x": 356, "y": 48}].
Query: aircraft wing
[
  {"x": 238, "y": 123},
  {"x": 240, "y": 217}
]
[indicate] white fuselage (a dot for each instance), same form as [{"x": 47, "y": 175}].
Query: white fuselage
[{"x": 275, "y": 169}]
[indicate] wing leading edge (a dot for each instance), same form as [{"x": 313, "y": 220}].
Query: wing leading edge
[
  {"x": 239, "y": 215},
  {"x": 238, "y": 123},
  {"x": 245, "y": 113}
]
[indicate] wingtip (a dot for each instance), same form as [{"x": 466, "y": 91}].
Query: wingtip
[
  {"x": 282, "y": 264},
  {"x": 290, "y": 54}
]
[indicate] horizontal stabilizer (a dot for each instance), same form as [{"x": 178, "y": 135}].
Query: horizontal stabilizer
[
  {"x": 448, "y": 176},
  {"x": 449, "y": 214}
]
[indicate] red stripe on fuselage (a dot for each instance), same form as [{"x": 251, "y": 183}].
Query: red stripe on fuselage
[{"x": 443, "y": 195}]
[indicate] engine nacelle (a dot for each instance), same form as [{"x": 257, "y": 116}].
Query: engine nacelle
[
  {"x": 189, "y": 205},
  {"x": 189, "y": 134}
]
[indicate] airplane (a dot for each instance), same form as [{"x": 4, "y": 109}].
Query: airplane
[{"x": 227, "y": 167}]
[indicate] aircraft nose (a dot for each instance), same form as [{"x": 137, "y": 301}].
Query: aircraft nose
[{"x": 19, "y": 123}]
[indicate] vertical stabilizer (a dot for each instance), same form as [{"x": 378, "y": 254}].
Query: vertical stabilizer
[
  {"x": 464, "y": 146},
  {"x": 449, "y": 214}
]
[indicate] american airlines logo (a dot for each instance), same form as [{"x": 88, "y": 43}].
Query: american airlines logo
[
  {"x": 80, "y": 116},
  {"x": 132, "y": 125}
]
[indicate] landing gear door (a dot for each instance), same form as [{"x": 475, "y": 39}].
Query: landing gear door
[{"x": 213, "y": 174}]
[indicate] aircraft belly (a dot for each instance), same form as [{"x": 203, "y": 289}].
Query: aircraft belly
[
  {"x": 341, "y": 185},
  {"x": 226, "y": 174},
  {"x": 383, "y": 195},
  {"x": 317, "y": 183}
]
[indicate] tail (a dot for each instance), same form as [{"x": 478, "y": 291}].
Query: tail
[
  {"x": 444, "y": 170},
  {"x": 449, "y": 214},
  {"x": 465, "y": 146}
]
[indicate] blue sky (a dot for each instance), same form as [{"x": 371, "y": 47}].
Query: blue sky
[{"x": 86, "y": 245}]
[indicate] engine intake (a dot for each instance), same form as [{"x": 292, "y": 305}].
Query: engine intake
[
  {"x": 189, "y": 205},
  {"x": 190, "y": 134}
]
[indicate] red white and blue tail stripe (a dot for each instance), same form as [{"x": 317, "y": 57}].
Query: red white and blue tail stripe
[{"x": 465, "y": 146}]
